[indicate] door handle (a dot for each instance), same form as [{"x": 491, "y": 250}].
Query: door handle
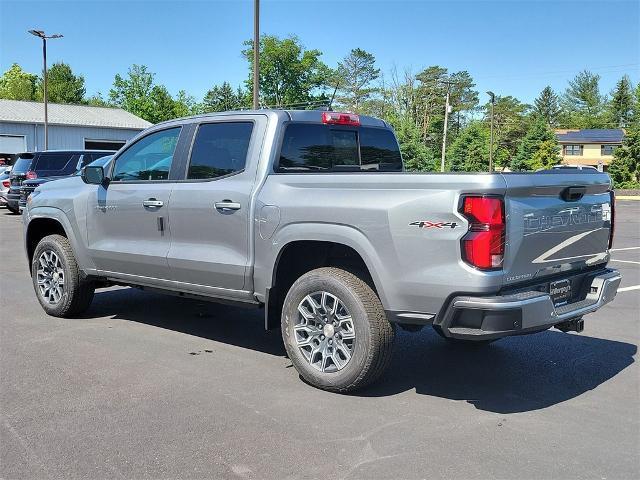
[
  {"x": 152, "y": 202},
  {"x": 227, "y": 205}
]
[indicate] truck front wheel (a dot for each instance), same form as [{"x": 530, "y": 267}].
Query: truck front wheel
[
  {"x": 335, "y": 330},
  {"x": 56, "y": 278}
]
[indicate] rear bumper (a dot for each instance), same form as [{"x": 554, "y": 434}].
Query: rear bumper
[{"x": 486, "y": 318}]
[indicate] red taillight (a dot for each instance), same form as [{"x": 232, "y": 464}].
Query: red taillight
[
  {"x": 613, "y": 217},
  {"x": 483, "y": 245},
  {"x": 30, "y": 175},
  {"x": 6, "y": 183},
  {"x": 337, "y": 118}
]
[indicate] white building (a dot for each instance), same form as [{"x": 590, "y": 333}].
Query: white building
[{"x": 70, "y": 127}]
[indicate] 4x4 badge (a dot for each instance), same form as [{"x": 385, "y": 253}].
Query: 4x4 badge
[{"x": 428, "y": 224}]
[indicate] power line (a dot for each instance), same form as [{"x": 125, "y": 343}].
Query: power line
[{"x": 558, "y": 72}]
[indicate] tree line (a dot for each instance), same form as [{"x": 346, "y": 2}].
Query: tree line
[{"x": 293, "y": 76}]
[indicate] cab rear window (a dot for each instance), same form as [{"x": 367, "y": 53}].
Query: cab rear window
[{"x": 308, "y": 147}]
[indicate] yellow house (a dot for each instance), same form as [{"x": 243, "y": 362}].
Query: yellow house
[{"x": 592, "y": 147}]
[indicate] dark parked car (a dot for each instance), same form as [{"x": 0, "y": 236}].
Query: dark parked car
[
  {"x": 28, "y": 186},
  {"x": 46, "y": 166}
]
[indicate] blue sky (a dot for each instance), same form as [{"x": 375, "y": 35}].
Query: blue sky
[{"x": 511, "y": 47}]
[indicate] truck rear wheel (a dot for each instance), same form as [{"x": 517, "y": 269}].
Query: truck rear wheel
[
  {"x": 335, "y": 330},
  {"x": 56, "y": 278}
]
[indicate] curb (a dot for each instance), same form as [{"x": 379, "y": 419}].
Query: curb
[{"x": 627, "y": 197}]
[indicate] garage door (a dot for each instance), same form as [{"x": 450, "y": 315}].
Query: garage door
[
  {"x": 12, "y": 143},
  {"x": 103, "y": 144}
]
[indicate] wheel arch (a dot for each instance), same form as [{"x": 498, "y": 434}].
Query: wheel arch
[
  {"x": 39, "y": 228},
  {"x": 45, "y": 221},
  {"x": 327, "y": 245}
]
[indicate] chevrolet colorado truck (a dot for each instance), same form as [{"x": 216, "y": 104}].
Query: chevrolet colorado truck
[{"x": 311, "y": 216}]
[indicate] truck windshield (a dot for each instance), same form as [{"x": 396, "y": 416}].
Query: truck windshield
[{"x": 309, "y": 147}]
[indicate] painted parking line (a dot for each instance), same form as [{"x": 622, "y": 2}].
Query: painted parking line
[
  {"x": 625, "y": 261},
  {"x": 627, "y": 289},
  {"x": 623, "y": 249}
]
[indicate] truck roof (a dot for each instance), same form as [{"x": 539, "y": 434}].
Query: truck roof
[{"x": 283, "y": 115}]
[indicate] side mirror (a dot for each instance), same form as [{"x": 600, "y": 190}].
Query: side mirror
[{"x": 94, "y": 175}]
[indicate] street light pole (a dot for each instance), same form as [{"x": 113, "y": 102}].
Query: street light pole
[
  {"x": 256, "y": 54},
  {"x": 44, "y": 93},
  {"x": 492, "y": 96},
  {"x": 44, "y": 37}
]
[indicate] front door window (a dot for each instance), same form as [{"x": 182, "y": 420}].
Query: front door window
[{"x": 150, "y": 158}]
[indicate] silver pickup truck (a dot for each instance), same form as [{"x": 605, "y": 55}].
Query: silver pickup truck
[{"x": 310, "y": 216}]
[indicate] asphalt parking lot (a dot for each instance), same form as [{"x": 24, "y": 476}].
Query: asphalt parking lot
[{"x": 152, "y": 386}]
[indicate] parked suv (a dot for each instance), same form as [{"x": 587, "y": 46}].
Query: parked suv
[
  {"x": 47, "y": 165},
  {"x": 310, "y": 216},
  {"x": 29, "y": 185}
]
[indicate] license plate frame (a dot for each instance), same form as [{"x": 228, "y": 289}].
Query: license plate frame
[{"x": 560, "y": 291}]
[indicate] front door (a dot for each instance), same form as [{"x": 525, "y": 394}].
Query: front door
[
  {"x": 128, "y": 220},
  {"x": 210, "y": 210}
]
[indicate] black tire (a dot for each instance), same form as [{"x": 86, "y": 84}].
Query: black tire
[
  {"x": 462, "y": 342},
  {"x": 15, "y": 211},
  {"x": 77, "y": 293},
  {"x": 372, "y": 345}
]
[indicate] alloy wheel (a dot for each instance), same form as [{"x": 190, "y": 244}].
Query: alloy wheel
[
  {"x": 50, "y": 277},
  {"x": 324, "y": 332}
]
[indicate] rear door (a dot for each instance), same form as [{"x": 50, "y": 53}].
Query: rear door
[
  {"x": 556, "y": 223},
  {"x": 128, "y": 220},
  {"x": 211, "y": 208}
]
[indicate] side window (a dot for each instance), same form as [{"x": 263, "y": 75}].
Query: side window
[
  {"x": 219, "y": 149},
  {"x": 149, "y": 158}
]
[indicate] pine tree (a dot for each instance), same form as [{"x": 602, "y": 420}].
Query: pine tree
[
  {"x": 547, "y": 106},
  {"x": 625, "y": 167},
  {"x": 222, "y": 98},
  {"x": 583, "y": 103},
  {"x": 536, "y": 150},
  {"x": 636, "y": 108},
  {"x": 354, "y": 76},
  {"x": 620, "y": 108},
  {"x": 417, "y": 157},
  {"x": 470, "y": 150}
]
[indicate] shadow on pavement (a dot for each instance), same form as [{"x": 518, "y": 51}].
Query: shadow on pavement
[
  {"x": 242, "y": 327},
  {"x": 515, "y": 374}
]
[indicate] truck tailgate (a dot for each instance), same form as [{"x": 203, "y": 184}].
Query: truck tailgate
[{"x": 556, "y": 222}]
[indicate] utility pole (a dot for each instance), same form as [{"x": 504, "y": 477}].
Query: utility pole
[
  {"x": 492, "y": 96},
  {"x": 256, "y": 54},
  {"x": 446, "y": 123},
  {"x": 44, "y": 37}
]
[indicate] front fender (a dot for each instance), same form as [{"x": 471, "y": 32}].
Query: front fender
[{"x": 72, "y": 232}]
